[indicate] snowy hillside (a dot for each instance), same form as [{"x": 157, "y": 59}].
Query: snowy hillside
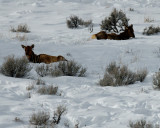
[{"x": 87, "y": 103}]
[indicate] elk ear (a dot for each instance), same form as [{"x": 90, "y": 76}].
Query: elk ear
[
  {"x": 23, "y": 46},
  {"x": 32, "y": 45},
  {"x": 126, "y": 27},
  {"x": 131, "y": 25}
]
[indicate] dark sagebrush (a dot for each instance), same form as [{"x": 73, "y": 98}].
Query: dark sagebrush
[
  {"x": 69, "y": 68},
  {"x": 75, "y": 22},
  {"x": 116, "y": 75},
  {"x": 116, "y": 22},
  {"x": 142, "y": 124},
  {"x": 151, "y": 30},
  {"x": 21, "y": 28},
  {"x": 58, "y": 114},
  {"x": 15, "y": 67}
]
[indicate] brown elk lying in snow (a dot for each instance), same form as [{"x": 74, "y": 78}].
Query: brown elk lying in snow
[
  {"x": 41, "y": 58},
  {"x": 129, "y": 32}
]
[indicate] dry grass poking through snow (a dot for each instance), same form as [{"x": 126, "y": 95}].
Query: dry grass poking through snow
[
  {"x": 131, "y": 9},
  {"x": 156, "y": 80},
  {"x": 142, "y": 124},
  {"x": 48, "y": 90},
  {"x": 39, "y": 81},
  {"x": 30, "y": 87},
  {"x": 151, "y": 30},
  {"x": 148, "y": 20},
  {"x": 116, "y": 75},
  {"x": 21, "y": 28},
  {"x": 40, "y": 118}
]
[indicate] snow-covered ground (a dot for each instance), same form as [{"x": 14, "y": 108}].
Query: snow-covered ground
[{"x": 86, "y": 102}]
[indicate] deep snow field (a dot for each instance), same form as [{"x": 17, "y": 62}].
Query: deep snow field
[{"x": 87, "y": 103}]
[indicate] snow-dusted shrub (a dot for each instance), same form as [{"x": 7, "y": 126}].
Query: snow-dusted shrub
[
  {"x": 75, "y": 22},
  {"x": 48, "y": 90},
  {"x": 107, "y": 80},
  {"x": 40, "y": 118},
  {"x": 120, "y": 75},
  {"x": 57, "y": 72},
  {"x": 69, "y": 68},
  {"x": 116, "y": 22},
  {"x": 43, "y": 70},
  {"x": 15, "y": 67},
  {"x": 157, "y": 52},
  {"x": 39, "y": 81},
  {"x": 141, "y": 75},
  {"x": 21, "y": 28},
  {"x": 156, "y": 80},
  {"x": 142, "y": 124},
  {"x": 151, "y": 30},
  {"x": 58, "y": 114}
]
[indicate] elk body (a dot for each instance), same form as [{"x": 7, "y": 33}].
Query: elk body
[
  {"x": 128, "y": 33},
  {"x": 41, "y": 58}
]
